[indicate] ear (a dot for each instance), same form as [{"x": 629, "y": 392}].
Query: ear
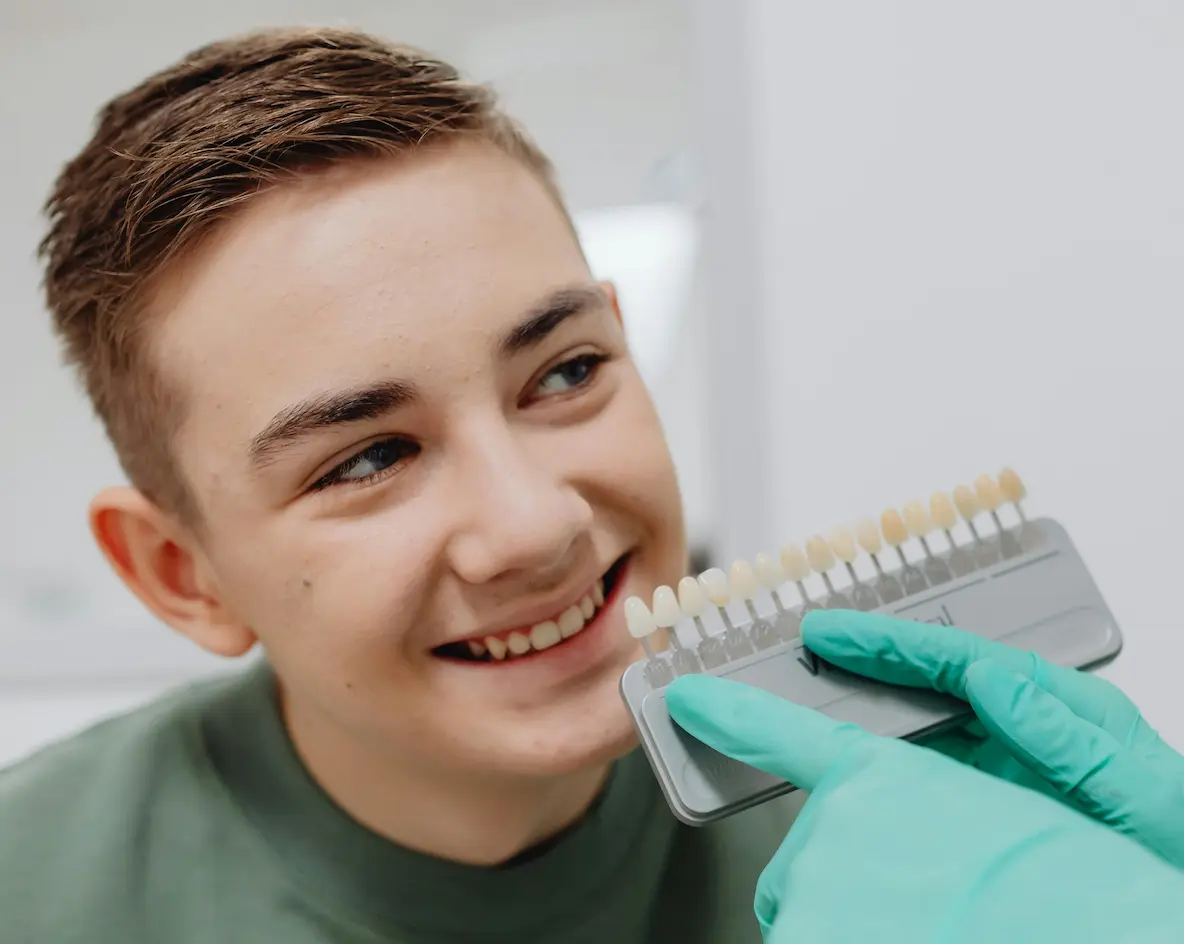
[
  {"x": 163, "y": 565},
  {"x": 611, "y": 291}
]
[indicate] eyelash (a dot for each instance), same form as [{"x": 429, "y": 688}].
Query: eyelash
[{"x": 407, "y": 448}]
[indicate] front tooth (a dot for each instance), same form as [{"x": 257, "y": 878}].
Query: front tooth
[
  {"x": 518, "y": 644},
  {"x": 496, "y": 647},
  {"x": 598, "y": 593},
  {"x": 476, "y": 648},
  {"x": 571, "y": 621},
  {"x": 587, "y": 608},
  {"x": 545, "y": 635}
]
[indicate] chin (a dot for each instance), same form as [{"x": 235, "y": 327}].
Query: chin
[{"x": 569, "y": 741}]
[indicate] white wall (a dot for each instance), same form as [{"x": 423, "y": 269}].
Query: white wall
[{"x": 972, "y": 255}]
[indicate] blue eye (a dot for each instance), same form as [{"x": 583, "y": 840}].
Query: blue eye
[
  {"x": 376, "y": 460},
  {"x": 571, "y": 374}
]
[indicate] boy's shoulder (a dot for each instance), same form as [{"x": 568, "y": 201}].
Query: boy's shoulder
[
  {"x": 128, "y": 752},
  {"x": 81, "y": 819}
]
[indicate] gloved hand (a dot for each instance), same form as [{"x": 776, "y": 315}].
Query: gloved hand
[
  {"x": 1064, "y": 732},
  {"x": 898, "y": 843}
]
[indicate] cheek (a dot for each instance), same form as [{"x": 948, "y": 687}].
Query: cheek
[
  {"x": 634, "y": 469},
  {"x": 342, "y": 592}
]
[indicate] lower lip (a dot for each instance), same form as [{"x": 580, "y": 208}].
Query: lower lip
[{"x": 586, "y": 649}]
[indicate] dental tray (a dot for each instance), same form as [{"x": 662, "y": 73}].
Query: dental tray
[{"x": 1023, "y": 584}]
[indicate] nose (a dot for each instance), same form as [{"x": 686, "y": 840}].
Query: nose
[{"x": 521, "y": 516}]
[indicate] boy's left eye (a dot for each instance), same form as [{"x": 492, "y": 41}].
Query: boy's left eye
[{"x": 570, "y": 374}]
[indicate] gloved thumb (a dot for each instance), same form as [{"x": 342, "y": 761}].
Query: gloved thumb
[{"x": 797, "y": 744}]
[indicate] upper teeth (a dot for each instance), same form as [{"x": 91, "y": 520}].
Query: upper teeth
[{"x": 546, "y": 634}]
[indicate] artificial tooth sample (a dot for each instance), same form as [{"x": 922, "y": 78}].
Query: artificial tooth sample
[
  {"x": 945, "y": 516},
  {"x": 771, "y": 575},
  {"x": 888, "y": 588},
  {"x": 693, "y": 603},
  {"x": 895, "y": 534},
  {"x": 968, "y": 507},
  {"x": 797, "y": 568},
  {"x": 990, "y": 496},
  {"x": 867, "y": 532},
  {"x": 1013, "y": 490},
  {"x": 745, "y": 586},
  {"x": 822, "y": 560},
  {"x": 641, "y": 625},
  {"x": 917, "y": 520},
  {"x": 842, "y": 542},
  {"x": 715, "y": 585},
  {"x": 667, "y": 615}
]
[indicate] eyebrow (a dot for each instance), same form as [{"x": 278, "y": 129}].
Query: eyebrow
[
  {"x": 549, "y": 314},
  {"x": 372, "y": 401},
  {"x": 326, "y": 410}
]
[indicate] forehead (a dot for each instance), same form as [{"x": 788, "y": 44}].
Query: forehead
[{"x": 368, "y": 269}]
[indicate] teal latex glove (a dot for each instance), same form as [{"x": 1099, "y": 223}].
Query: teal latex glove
[
  {"x": 898, "y": 843},
  {"x": 1067, "y": 733}
]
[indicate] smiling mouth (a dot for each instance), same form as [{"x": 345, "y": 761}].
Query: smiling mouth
[{"x": 549, "y": 634}]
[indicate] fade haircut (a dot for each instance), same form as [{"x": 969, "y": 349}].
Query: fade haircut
[{"x": 182, "y": 152}]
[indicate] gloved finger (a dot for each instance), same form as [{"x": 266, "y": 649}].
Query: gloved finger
[
  {"x": 749, "y": 725},
  {"x": 1085, "y": 763},
  {"x": 924, "y": 655}
]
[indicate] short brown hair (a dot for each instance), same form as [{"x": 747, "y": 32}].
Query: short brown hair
[{"x": 175, "y": 156}]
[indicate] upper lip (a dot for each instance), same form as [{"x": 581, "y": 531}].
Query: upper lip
[{"x": 546, "y": 608}]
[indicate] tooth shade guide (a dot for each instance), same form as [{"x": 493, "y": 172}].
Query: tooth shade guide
[
  {"x": 1066, "y": 622},
  {"x": 731, "y": 637}
]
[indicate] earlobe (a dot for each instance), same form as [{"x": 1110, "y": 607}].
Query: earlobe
[{"x": 164, "y": 567}]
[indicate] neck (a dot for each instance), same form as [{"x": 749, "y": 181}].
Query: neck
[{"x": 480, "y": 821}]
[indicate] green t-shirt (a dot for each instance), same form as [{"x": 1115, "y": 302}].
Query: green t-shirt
[{"x": 192, "y": 820}]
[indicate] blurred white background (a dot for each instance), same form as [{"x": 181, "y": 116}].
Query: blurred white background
[{"x": 925, "y": 240}]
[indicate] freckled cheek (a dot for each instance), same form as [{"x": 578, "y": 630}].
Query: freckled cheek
[{"x": 355, "y": 591}]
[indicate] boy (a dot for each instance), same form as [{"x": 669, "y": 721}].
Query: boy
[{"x": 379, "y": 421}]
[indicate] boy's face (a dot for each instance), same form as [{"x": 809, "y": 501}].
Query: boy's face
[{"x": 412, "y": 423}]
